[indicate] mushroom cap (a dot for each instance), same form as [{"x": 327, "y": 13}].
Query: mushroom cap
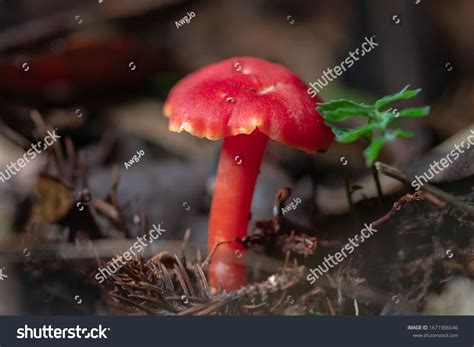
[{"x": 241, "y": 94}]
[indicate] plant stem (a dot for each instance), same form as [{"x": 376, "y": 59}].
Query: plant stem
[
  {"x": 375, "y": 174},
  {"x": 347, "y": 184}
]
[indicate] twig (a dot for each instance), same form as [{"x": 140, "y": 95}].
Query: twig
[
  {"x": 395, "y": 208},
  {"x": 14, "y": 137},
  {"x": 207, "y": 261},
  {"x": 205, "y": 309},
  {"x": 441, "y": 194},
  {"x": 375, "y": 173},
  {"x": 133, "y": 304}
]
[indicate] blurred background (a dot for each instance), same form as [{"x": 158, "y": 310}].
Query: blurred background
[{"x": 100, "y": 70}]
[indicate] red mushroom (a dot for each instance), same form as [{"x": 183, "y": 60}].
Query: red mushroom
[{"x": 246, "y": 101}]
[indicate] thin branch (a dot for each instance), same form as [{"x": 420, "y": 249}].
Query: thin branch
[{"x": 441, "y": 194}]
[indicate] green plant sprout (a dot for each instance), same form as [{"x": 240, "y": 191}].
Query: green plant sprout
[{"x": 377, "y": 130}]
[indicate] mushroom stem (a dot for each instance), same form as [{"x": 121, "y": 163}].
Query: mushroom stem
[{"x": 239, "y": 166}]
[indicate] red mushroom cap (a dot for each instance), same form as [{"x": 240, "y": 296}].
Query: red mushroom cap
[{"x": 238, "y": 95}]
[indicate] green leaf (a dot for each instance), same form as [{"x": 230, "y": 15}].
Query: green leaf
[
  {"x": 344, "y": 113},
  {"x": 402, "y": 94},
  {"x": 339, "y": 110},
  {"x": 402, "y": 133},
  {"x": 372, "y": 152},
  {"x": 378, "y": 120},
  {"x": 335, "y": 104},
  {"x": 388, "y": 117},
  {"x": 350, "y": 135},
  {"x": 338, "y": 131},
  {"x": 415, "y": 112}
]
